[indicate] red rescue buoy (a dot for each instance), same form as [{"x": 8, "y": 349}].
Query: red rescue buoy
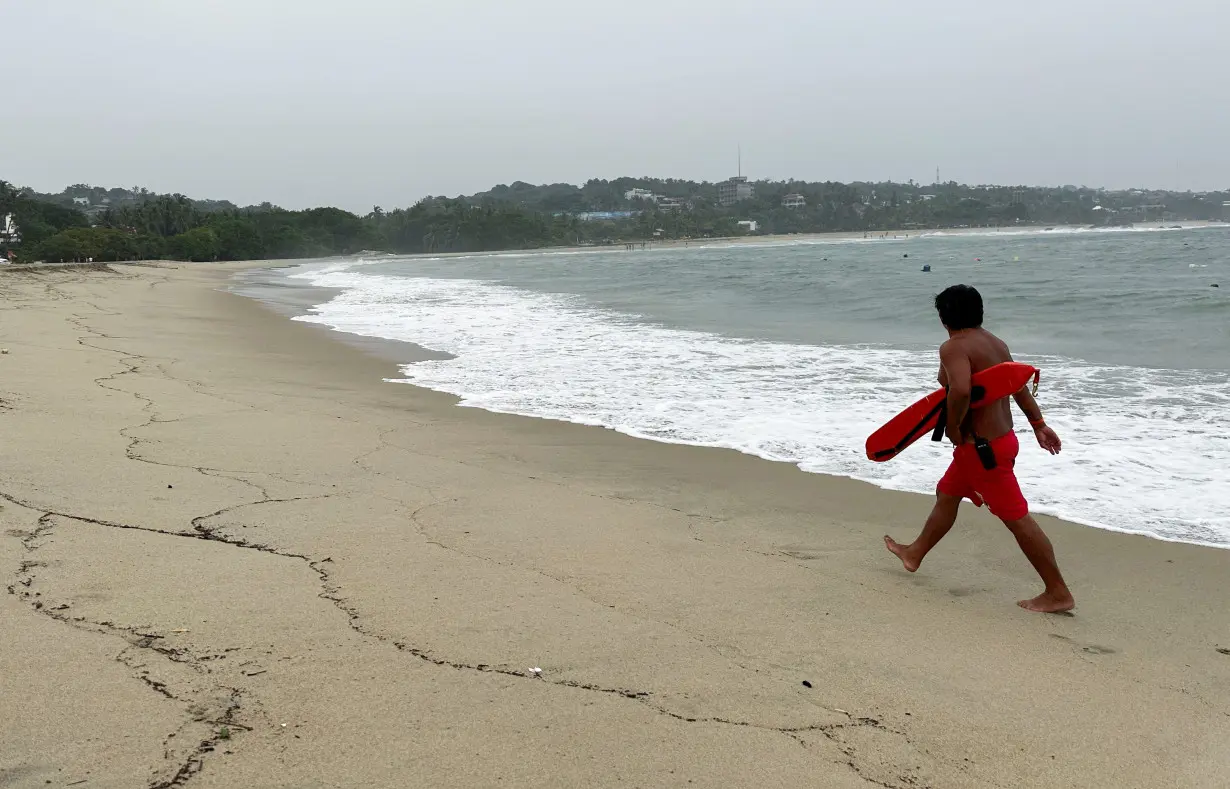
[{"x": 989, "y": 385}]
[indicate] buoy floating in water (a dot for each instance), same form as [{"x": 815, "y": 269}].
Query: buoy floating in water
[{"x": 928, "y": 268}]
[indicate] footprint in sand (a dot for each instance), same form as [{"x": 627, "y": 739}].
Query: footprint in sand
[
  {"x": 810, "y": 552},
  {"x": 1092, "y": 649},
  {"x": 800, "y": 553}
]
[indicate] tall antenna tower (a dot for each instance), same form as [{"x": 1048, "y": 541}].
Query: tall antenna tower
[{"x": 937, "y": 175}]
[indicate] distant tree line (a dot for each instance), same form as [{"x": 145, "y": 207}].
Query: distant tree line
[
  {"x": 175, "y": 227},
  {"x": 86, "y": 222},
  {"x": 863, "y": 206}
]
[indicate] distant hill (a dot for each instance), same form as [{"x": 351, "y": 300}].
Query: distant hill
[
  {"x": 84, "y": 221},
  {"x": 92, "y": 200},
  {"x": 823, "y": 206}
]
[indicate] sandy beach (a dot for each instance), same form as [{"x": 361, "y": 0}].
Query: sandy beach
[{"x": 235, "y": 557}]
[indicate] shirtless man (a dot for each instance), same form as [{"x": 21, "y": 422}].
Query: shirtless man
[{"x": 970, "y": 349}]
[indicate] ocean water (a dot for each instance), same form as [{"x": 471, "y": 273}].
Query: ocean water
[{"x": 796, "y": 350}]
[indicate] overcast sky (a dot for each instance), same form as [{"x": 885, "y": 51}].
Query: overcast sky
[{"x": 374, "y": 102}]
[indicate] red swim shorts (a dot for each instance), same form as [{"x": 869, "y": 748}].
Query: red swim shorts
[{"x": 967, "y": 479}]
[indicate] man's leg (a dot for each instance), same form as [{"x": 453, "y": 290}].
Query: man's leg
[
  {"x": 1037, "y": 548},
  {"x": 942, "y": 516}
]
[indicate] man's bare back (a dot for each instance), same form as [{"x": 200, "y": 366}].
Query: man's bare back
[{"x": 981, "y": 350}]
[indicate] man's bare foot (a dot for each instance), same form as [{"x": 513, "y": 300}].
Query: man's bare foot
[
  {"x": 902, "y": 552},
  {"x": 1048, "y": 603}
]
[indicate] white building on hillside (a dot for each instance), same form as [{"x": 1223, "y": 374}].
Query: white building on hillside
[
  {"x": 8, "y": 230},
  {"x": 750, "y": 225},
  {"x": 9, "y": 236},
  {"x": 640, "y": 194},
  {"x": 794, "y": 201},
  {"x": 735, "y": 190}
]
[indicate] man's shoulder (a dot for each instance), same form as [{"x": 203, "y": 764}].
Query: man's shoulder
[
  {"x": 951, "y": 347},
  {"x": 958, "y": 342},
  {"x": 997, "y": 340},
  {"x": 974, "y": 341}
]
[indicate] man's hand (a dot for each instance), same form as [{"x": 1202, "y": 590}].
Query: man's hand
[
  {"x": 956, "y": 437},
  {"x": 1048, "y": 439}
]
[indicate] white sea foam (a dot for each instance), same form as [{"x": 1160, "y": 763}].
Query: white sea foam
[
  {"x": 1146, "y": 451},
  {"x": 1059, "y": 230}
]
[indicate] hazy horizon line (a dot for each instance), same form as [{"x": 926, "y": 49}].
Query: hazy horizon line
[{"x": 461, "y": 196}]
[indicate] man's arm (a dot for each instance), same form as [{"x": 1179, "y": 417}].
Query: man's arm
[
  {"x": 1047, "y": 438},
  {"x": 957, "y": 370},
  {"x": 1028, "y": 405}
]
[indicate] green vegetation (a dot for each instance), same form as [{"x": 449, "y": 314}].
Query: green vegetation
[
  {"x": 37, "y": 220},
  {"x": 173, "y": 226},
  {"x": 86, "y": 222},
  {"x": 864, "y": 207}
]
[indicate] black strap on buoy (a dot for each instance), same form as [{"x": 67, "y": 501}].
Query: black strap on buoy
[
  {"x": 941, "y": 410},
  {"x": 911, "y": 436},
  {"x": 942, "y": 424},
  {"x": 976, "y": 394}
]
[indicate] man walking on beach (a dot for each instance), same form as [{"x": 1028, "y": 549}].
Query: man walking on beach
[{"x": 971, "y": 349}]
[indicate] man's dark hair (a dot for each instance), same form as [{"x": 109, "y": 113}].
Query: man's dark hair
[{"x": 960, "y": 307}]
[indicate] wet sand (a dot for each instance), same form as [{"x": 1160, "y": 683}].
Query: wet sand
[{"x": 236, "y": 557}]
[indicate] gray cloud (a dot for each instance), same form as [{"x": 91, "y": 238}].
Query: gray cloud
[{"x": 368, "y": 102}]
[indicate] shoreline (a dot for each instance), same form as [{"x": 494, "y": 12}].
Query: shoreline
[
  {"x": 290, "y": 299},
  {"x": 855, "y": 236},
  {"x": 836, "y": 236},
  {"x": 304, "y": 296},
  {"x": 217, "y": 518}
]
